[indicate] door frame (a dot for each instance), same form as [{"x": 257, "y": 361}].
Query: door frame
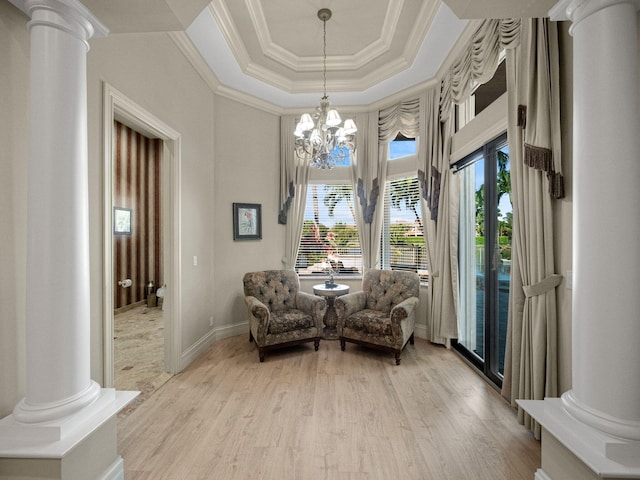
[{"x": 116, "y": 106}]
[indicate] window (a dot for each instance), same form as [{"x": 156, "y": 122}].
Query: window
[
  {"x": 484, "y": 256},
  {"x": 329, "y": 235},
  {"x": 402, "y": 147},
  {"x": 403, "y": 246},
  {"x": 482, "y": 96}
]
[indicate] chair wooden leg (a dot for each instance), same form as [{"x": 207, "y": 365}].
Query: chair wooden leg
[
  {"x": 261, "y": 355},
  {"x": 343, "y": 344},
  {"x": 316, "y": 344},
  {"x": 411, "y": 340},
  {"x": 250, "y": 337},
  {"x": 398, "y": 358}
]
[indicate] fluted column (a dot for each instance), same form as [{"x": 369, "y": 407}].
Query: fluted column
[
  {"x": 57, "y": 312},
  {"x": 606, "y": 224}
]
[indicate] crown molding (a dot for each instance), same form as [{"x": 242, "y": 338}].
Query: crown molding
[
  {"x": 227, "y": 26},
  {"x": 187, "y": 48},
  {"x": 311, "y": 64},
  {"x": 312, "y": 86},
  {"x": 185, "y": 45}
]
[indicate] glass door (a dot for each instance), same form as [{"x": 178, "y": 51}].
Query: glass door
[{"x": 484, "y": 256}]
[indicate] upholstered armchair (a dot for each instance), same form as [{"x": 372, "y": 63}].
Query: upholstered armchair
[
  {"x": 280, "y": 315},
  {"x": 382, "y": 314}
]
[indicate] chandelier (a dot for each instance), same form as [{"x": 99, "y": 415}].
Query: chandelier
[{"x": 321, "y": 136}]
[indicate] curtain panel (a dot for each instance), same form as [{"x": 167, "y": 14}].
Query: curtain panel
[
  {"x": 294, "y": 178},
  {"x": 368, "y": 178},
  {"x": 476, "y": 65},
  {"x": 531, "y": 370},
  {"x": 435, "y": 190},
  {"x": 479, "y": 61}
]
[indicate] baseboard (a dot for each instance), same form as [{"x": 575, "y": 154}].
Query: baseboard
[
  {"x": 232, "y": 330},
  {"x": 115, "y": 471},
  {"x": 420, "y": 331},
  {"x": 541, "y": 475},
  {"x": 198, "y": 348}
]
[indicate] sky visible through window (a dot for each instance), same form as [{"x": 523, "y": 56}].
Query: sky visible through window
[{"x": 397, "y": 149}]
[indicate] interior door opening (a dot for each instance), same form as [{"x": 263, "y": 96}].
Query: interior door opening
[
  {"x": 141, "y": 269},
  {"x": 138, "y": 267}
]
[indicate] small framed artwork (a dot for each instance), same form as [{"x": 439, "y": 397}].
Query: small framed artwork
[
  {"x": 247, "y": 221},
  {"x": 121, "y": 221}
]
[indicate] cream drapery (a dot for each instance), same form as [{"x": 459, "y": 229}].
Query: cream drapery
[
  {"x": 444, "y": 278},
  {"x": 435, "y": 190},
  {"x": 532, "y": 86},
  {"x": 294, "y": 178},
  {"x": 476, "y": 65},
  {"x": 479, "y": 61},
  {"x": 368, "y": 176}
]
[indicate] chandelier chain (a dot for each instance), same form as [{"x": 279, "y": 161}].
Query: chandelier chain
[{"x": 324, "y": 58}]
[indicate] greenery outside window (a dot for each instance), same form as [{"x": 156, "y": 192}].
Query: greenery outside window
[
  {"x": 329, "y": 242},
  {"x": 403, "y": 246}
]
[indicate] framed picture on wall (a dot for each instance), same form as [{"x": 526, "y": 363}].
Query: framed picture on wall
[
  {"x": 121, "y": 221},
  {"x": 247, "y": 221}
]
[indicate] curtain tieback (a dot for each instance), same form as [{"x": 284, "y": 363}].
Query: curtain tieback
[
  {"x": 436, "y": 273},
  {"x": 549, "y": 283}
]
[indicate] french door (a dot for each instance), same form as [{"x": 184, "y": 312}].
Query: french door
[{"x": 484, "y": 256}]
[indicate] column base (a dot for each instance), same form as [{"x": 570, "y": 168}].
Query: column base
[
  {"x": 27, "y": 413},
  {"x": 570, "y": 446},
  {"x": 613, "y": 426},
  {"x": 83, "y": 445}
]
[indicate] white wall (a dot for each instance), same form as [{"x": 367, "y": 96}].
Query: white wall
[
  {"x": 151, "y": 71},
  {"x": 247, "y": 153}
]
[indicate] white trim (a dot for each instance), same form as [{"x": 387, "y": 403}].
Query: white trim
[
  {"x": 487, "y": 125},
  {"x": 117, "y": 105},
  {"x": 115, "y": 471},
  {"x": 541, "y": 475},
  {"x": 198, "y": 348},
  {"x": 421, "y": 331}
]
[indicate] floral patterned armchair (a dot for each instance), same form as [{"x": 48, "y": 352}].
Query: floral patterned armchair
[
  {"x": 280, "y": 315},
  {"x": 382, "y": 315}
]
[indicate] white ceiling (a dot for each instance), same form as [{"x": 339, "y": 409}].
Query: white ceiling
[{"x": 271, "y": 50}]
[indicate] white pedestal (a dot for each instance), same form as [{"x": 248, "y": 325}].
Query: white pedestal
[
  {"x": 80, "y": 446},
  {"x": 590, "y": 453}
]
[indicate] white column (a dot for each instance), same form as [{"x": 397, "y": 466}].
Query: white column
[
  {"x": 606, "y": 221},
  {"x": 57, "y": 313}
]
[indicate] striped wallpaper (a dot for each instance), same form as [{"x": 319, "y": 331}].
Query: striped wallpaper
[{"x": 137, "y": 186}]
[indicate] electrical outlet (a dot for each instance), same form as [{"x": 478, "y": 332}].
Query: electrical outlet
[
  {"x": 569, "y": 279},
  {"x": 211, "y": 321},
  {"x": 195, "y": 260}
]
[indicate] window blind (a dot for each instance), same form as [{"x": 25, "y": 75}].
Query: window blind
[
  {"x": 329, "y": 238},
  {"x": 403, "y": 246}
]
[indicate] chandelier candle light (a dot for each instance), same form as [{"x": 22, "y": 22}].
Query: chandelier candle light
[{"x": 321, "y": 137}]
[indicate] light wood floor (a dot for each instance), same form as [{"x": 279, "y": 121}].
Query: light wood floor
[{"x": 326, "y": 415}]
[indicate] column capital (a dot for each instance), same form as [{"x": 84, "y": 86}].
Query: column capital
[
  {"x": 578, "y": 10},
  {"x": 70, "y": 16}
]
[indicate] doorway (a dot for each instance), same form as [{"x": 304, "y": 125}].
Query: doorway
[
  {"x": 484, "y": 257},
  {"x": 118, "y": 108},
  {"x": 138, "y": 262}
]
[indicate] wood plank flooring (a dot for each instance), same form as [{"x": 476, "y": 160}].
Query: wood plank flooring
[{"x": 326, "y": 415}]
